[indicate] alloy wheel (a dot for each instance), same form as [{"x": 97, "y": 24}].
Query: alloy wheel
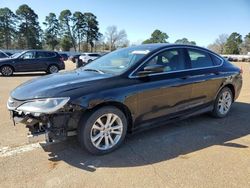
[
  {"x": 53, "y": 69},
  {"x": 106, "y": 131},
  {"x": 224, "y": 102},
  {"x": 6, "y": 71}
]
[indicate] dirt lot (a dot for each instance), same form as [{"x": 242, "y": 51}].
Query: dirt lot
[{"x": 198, "y": 152}]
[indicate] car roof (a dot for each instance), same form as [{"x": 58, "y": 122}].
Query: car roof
[
  {"x": 160, "y": 45},
  {"x": 157, "y": 46},
  {"x": 38, "y": 51},
  {"x": 87, "y": 53}
]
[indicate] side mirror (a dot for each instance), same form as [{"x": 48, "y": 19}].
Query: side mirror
[{"x": 151, "y": 69}]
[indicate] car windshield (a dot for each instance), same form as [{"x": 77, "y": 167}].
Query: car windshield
[{"x": 118, "y": 61}]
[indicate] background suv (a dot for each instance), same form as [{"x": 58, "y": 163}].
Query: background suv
[
  {"x": 31, "y": 61},
  {"x": 88, "y": 57}
]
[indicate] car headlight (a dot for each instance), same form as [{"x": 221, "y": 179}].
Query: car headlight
[{"x": 47, "y": 106}]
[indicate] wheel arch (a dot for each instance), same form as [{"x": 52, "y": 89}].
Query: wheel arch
[
  {"x": 231, "y": 87},
  {"x": 7, "y": 65},
  {"x": 52, "y": 64}
]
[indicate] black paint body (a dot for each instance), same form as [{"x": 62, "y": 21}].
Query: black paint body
[{"x": 149, "y": 100}]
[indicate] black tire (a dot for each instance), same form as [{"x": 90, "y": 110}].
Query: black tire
[
  {"x": 85, "y": 129},
  {"x": 53, "y": 69},
  {"x": 216, "y": 112},
  {"x": 6, "y": 70},
  {"x": 89, "y": 61}
]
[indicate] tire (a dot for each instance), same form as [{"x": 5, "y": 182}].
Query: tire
[
  {"x": 223, "y": 103},
  {"x": 97, "y": 139},
  {"x": 53, "y": 69},
  {"x": 89, "y": 61},
  {"x": 6, "y": 70}
]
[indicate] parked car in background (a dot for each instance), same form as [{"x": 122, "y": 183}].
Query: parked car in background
[
  {"x": 75, "y": 57},
  {"x": 126, "y": 90},
  {"x": 31, "y": 61},
  {"x": 64, "y": 56},
  {"x": 3, "y": 54},
  {"x": 88, "y": 57}
]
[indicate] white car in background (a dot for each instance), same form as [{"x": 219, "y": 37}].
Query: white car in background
[{"x": 88, "y": 57}]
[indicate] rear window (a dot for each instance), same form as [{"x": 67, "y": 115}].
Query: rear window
[
  {"x": 50, "y": 54},
  {"x": 216, "y": 60},
  {"x": 45, "y": 54},
  {"x": 199, "y": 59}
]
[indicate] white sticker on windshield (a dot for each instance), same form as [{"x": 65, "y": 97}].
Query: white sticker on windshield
[{"x": 141, "y": 52}]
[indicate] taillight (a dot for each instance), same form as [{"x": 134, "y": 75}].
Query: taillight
[{"x": 241, "y": 70}]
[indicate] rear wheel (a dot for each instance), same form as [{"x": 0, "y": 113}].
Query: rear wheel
[
  {"x": 103, "y": 130},
  {"x": 223, "y": 103},
  {"x": 6, "y": 70},
  {"x": 52, "y": 69}
]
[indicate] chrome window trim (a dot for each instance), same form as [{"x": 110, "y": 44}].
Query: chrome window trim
[{"x": 169, "y": 48}]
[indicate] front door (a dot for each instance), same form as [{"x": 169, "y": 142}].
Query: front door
[
  {"x": 164, "y": 94},
  {"x": 26, "y": 62}
]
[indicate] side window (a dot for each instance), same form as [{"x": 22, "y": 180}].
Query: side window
[
  {"x": 94, "y": 55},
  {"x": 40, "y": 55},
  {"x": 50, "y": 54},
  {"x": 172, "y": 60},
  {"x": 216, "y": 60},
  {"x": 199, "y": 59},
  {"x": 28, "y": 55}
]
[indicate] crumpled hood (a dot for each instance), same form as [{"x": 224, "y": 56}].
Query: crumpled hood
[{"x": 56, "y": 85}]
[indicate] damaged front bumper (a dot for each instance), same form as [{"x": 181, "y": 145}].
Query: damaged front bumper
[{"x": 49, "y": 127}]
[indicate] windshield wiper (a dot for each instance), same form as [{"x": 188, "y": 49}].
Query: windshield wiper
[{"x": 94, "y": 70}]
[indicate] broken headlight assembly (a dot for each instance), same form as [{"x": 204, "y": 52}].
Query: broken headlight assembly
[{"x": 44, "y": 106}]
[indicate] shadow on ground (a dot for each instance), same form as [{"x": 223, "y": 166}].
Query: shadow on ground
[{"x": 162, "y": 143}]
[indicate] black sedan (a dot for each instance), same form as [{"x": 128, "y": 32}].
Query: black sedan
[
  {"x": 31, "y": 61},
  {"x": 124, "y": 91}
]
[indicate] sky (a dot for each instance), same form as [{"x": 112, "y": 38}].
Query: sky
[{"x": 198, "y": 20}]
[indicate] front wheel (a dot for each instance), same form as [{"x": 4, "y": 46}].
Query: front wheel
[
  {"x": 223, "y": 103},
  {"x": 103, "y": 130},
  {"x": 6, "y": 70}
]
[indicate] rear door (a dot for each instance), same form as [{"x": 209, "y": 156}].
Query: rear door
[
  {"x": 205, "y": 76},
  {"x": 43, "y": 59}
]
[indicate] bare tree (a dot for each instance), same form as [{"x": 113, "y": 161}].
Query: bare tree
[
  {"x": 116, "y": 38},
  {"x": 219, "y": 45}
]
